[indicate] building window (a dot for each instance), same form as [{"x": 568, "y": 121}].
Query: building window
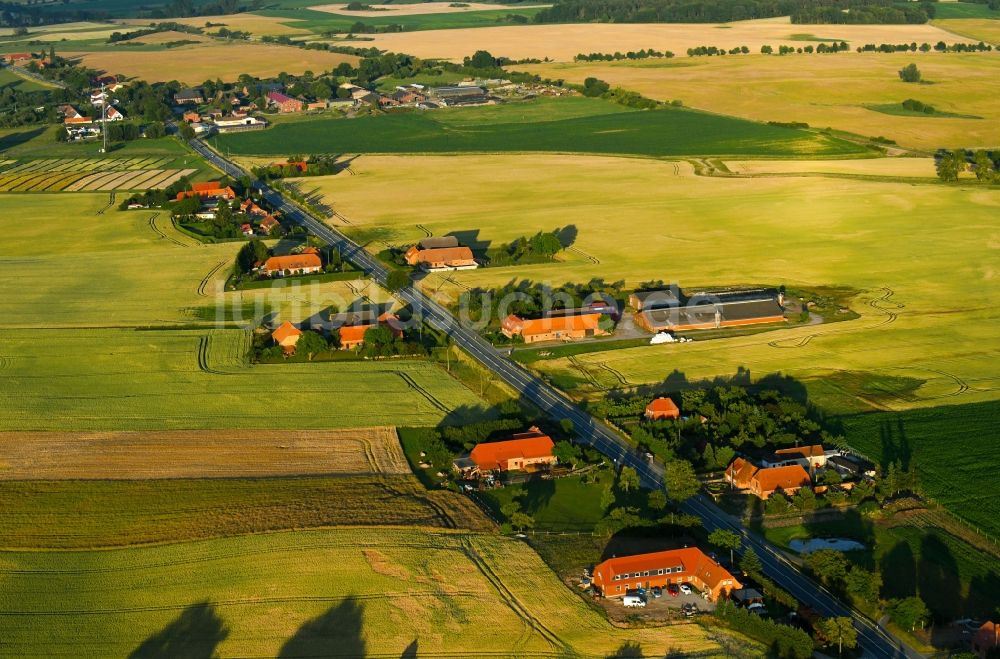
[{"x": 618, "y": 588}]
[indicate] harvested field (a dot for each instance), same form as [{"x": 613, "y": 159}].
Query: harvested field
[
  {"x": 359, "y": 592},
  {"x": 189, "y": 454},
  {"x": 255, "y": 24},
  {"x": 193, "y": 64},
  {"x": 89, "y": 174},
  {"x": 824, "y": 90},
  {"x": 114, "y": 513},
  {"x": 128, "y": 180},
  {"x": 563, "y": 42},
  {"x": 874, "y": 167},
  {"x": 166, "y": 37},
  {"x": 389, "y": 11}
]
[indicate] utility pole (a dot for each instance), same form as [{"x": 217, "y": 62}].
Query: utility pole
[{"x": 104, "y": 119}]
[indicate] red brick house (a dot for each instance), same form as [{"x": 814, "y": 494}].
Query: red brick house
[
  {"x": 353, "y": 336},
  {"x": 739, "y": 472},
  {"x": 552, "y": 328},
  {"x": 286, "y": 336},
  {"x": 284, "y": 102},
  {"x": 789, "y": 480},
  {"x": 441, "y": 258},
  {"x": 662, "y": 408},
  {"x": 615, "y": 576},
  {"x": 528, "y": 451},
  {"x": 293, "y": 264},
  {"x": 208, "y": 190}
]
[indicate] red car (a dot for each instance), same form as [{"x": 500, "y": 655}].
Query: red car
[{"x": 673, "y": 590}]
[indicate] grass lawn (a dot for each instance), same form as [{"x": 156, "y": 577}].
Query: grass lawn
[
  {"x": 954, "y": 579},
  {"x": 561, "y": 504},
  {"x": 588, "y": 126},
  {"x": 823, "y": 90},
  {"x": 342, "y": 592},
  {"x": 944, "y": 444},
  {"x": 643, "y": 220},
  {"x": 10, "y": 80}
]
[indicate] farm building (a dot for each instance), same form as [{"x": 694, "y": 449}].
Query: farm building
[
  {"x": 286, "y": 336},
  {"x": 189, "y": 96},
  {"x": 744, "y": 475},
  {"x": 710, "y": 315},
  {"x": 352, "y": 326},
  {"x": 239, "y": 124},
  {"x": 806, "y": 456},
  {"x": 690, "y": 565},
  {"x": 528, "y": 451},
  {"x": 292, "y": 264},
  {"x": 788, "y": 479},
  {"x": 284, "y": 102},
  {"x": 553, "y": 328},
  {"x": 442, "y": 253},
  {"x": 850, "y": 466},
  {"x": 662, "y": 408},
  {"x": 208, "y": 190},
  {"x": 657, "y": 299},
  {"x": 986, "y": 639},
  {"x": 462, "y": 95}
]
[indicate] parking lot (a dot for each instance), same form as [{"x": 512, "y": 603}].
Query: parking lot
[{"x": 665, "y": 607}]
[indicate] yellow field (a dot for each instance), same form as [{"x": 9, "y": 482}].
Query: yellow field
[
  {"x": 925, "y": 255},
  {"x": 387, "y": 11},
  {"x": 196, "y": 63},
  {"x": 165, "y": 37},
  {"x": 823, "y": 90},
  {"x": 200, "y": 454},
  {"x": 257, "y": 26},
  {"x": 980, "y": 29},
  {"x": 902, "y": 167},
  {"x": 562, "y": 42}
]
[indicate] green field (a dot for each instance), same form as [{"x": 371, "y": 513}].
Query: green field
[
  {"x": 126, "y": 379},
  {"x": 10, "y": 80},
  {"x": 322, "y": 21},
  {"x": 349, "y": 593},
  {"x": 80, "y": 514},
  {"x": 944, "y": 444},
  {"x": 588, "y": 126},
  {"x": 944, "y": 10}
]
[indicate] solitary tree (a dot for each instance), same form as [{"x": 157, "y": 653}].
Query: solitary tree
[
  {"x": 311, "y": 343},
  {"x": 838, "y": 630},
  {"x": 724, "y": 539},
  {"x": 521, "y": 521},
  {"x": 680, "y": 480},
  {"x": 909, "y": 73},
  {"x": 628, "y": 479}
]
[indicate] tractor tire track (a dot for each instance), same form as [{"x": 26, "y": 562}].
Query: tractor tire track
[
  {"x": 204, "y": 348},
  {"x": 578, "y": 365},
  {"x": 580, "y": 252},
  {"x": 616, "y": 374},
  {"x": 111, "y": 202},
  {"x": 161, "y": 234},
  {"x": 207, "y": 278},
  {"x": 423, "y": 392},
  {"x": 439, "y": 512},
  {"x": 427, "y": 232},
  {"x": 875, "y": 304}
]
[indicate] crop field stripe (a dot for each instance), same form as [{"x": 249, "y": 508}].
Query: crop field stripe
[
  {"x": 71, "y": 177},
  {"x": 80, "y": 183},
  {"x": 46, "y": 181},
  {"x": 102, "y": 180},
  {"x": 115, "y": 182},
  {"x": 172, "y": 178},
  {"x": 139, "y": 182}
]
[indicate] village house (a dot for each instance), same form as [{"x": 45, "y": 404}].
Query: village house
[
  {"x": 191, "y": 116},
  {"x": 763, "y": 482},
  {"x": 292, "y": 264},
  {"x": 112, "y": 114},
  {"x": 662, "y": 408},
  {"x": 17, "y": 58},
  {"x": 208, "y": 191},
  {"x": 98, "y": 97},
  {"x": 552, "y": 328},
  {"x": 352, "y": 326},
  {"x": 268, "y": 225},
  {"x": 284, "y": 103},
  {"x": 440, "y": 253},
  {"x": 77, "y": 121},
  {"x": 286, "y": 336},
  {"x": 189, "y": 97},
  {"x": 527, "y": 451},
  {"x": 986, "y": 638},
  {"x": 808, "y": 457},
  {"x": 615, "y": 576}
]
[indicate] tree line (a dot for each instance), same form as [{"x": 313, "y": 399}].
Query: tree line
[{"x": 984, "y": 164}]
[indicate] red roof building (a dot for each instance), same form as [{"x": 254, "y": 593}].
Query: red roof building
[
  {"x": 739, "y": 472},
  {"x": 14, "y": 58},
  {"x": 286, "y": 336},
  {"x": 293, "y": 264},
  {"x": 788, "y": 479},
  {"x": 985, "y": 639},
  {"x": 552, "y": 328},
  {"x": 208, "y": 190},
  {"x": 353, "y": 336},
  {"x": 441, "y": 258},
  {"x": 525, "y": 451},
  {"x": 615, "y": 576},
  {"x": 662, "y": 408},
  {"x": 284, "y": 103}
]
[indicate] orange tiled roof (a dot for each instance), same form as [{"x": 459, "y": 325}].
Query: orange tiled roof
[
  {"x": 786, "y": 478},
  {"x": 444, "y": 255},
  {"x": 813, "y": 451},
  {"x": 740, "y": 471},
  {"x": 284, "y": 331},
  {"x": 292, "y": 262},
  {"x": 581, "y": 322},
  {"x": 663, "y": 406},
  {"x": 491, "y": 455},
  {"x": 353, "y": 333},
  {"x": 693, "y": 560}
]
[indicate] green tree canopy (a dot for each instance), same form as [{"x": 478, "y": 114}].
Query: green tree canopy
[
  {"x": 680, "y": 480},
  {"x": 311, "y": 343}
]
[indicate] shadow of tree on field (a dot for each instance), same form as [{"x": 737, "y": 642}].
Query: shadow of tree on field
[
  {"x": 193, "y": 635},
  {"x": 335, "y": 633},
  {"x": 410, "y": 652},
  {"x": 627, "y": 649},
  {"x": 11, "y": 140}
]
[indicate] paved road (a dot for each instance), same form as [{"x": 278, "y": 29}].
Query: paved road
[{"x": 555, "y": 404}]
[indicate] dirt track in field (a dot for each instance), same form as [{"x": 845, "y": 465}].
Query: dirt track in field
[{"x": 199, "y": 454}]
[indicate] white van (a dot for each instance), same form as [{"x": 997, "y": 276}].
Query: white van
[{"x": 634, "y": 601}]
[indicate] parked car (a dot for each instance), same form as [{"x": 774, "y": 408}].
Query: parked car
[
  {"x": 673, "y": 590},
  {"x": 689, "y": 609},
  {"x": 634, "y": 601},
  {"x": 686, "y": 589},
  {"x": 657, "y": 591}
]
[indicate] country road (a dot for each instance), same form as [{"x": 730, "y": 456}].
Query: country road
[{"x": 874, "y": 641}]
